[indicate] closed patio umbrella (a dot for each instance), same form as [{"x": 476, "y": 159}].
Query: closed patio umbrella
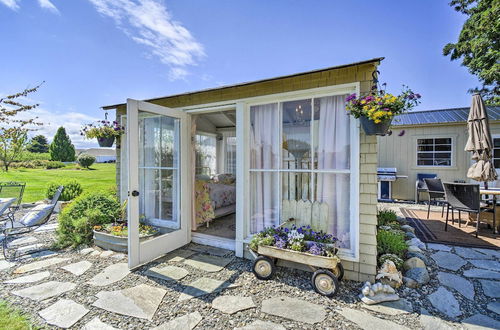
[{"x": 480, "y": 143}]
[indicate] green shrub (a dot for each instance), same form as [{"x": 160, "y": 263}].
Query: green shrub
[
  {"x": 72, "y": 189},
  {"x": 86, "y": 160},
  {"x": 54, "y": 164},
  {"x": 391, "y": 242},
  {"x": 79, "y": 218},
  {"x": 385, "y": 217},
  {"x": 27, "y": 156},
  {"x": 394, "y": 258}
]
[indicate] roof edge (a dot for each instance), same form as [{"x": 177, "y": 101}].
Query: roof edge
[{"x": 375, "y": 59}]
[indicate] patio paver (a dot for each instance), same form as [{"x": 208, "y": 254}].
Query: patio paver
[
  {"x": 494, "y": 307},
  {"x": 438, "y": 247},
  {"x": 262, "y": 325},
  {"x": 491, "y": 288},
  {"x": 29, "y": 278},
  {"x": 178, "y": 255},
  {"x": 469, "y": 253},
  {"x": 4, "y": 264},
  {"x": 167, "y": 273},
  {"x": 207, "y": 263},
  {"x": 97, "y": 324},
  {"x": 45, "y": 290},
  {"x": 448, "y": 260},
  {"x": 232, "y": 304},
  {"x": 36, "y": 265},
  {"x": 482, "y": 273},
  {"x": 204, "y": 286},
  {"x": 465, "y": 287},
  {"x": 398, "y": 307},
  {"x": 78, "y": 268},
  {"x": 486, "y": 264},
  {"x": 294, "y": 309},
  {"x": 368, "y": 322},
  {"x": 480, "y": 322},
  {"x": 23, "y": 240},
  {"x": 185, "y": 322},
  {"x": 444, "y": 301},
  {"x": 110, "y": 275},
  {"x": 64, "y": 313}
]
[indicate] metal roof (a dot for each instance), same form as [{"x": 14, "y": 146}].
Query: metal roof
[{"x": 441, "y": 116}]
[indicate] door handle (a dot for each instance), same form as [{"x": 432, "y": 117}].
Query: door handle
[{"x": 135, "y": 193}]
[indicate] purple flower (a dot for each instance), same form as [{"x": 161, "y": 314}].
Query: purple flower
[
  {"x": 350, "y": 97},
  {"x": 418, "y": 96},
  {"x": 315, "y": 249},
  {"x": 401, "y": 133},
  {"x": 280, "y": 243},
  {"x": 369, "y": 98}
]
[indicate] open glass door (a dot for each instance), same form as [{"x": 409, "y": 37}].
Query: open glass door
[{"x": 159, "y": 180}]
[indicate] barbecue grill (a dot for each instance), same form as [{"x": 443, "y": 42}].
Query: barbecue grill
[{"x": 385, "y": 177}]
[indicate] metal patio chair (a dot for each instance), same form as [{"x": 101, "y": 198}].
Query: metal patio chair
[
  {"x": 32, "y": 220},
  {"x": 9, "y": 191},
  {"x": 436, "y": 193},
  {"x": 464, "y": 197},
  {"x": 420, "y": 185}
]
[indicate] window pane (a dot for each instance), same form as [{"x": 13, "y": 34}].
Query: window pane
[
  {"x": 443, "y": 147},
  {"x": 425, "y": 162},
  {"x": 496, "y": 143},
  {"x": 231, "y": 154},
  {"x": 331, "y": 133},
  {"x": 497, "y": 163},
  {"x": 443, "y": 141},
  {"x": 425, "y": 148},
  {"x": 296, "y": 134},
  {"x": 264, "y": 136},
  {"x": 425, "y": 155},
  {"x": 206, "y": 154},
  {"x": 425, "y": 141},
  {"x": 296, "y": 186},
  {"x": 442, "y": 162},
  {"x": 156, "y": 138},
  {"x": 496, "y": 153},
  {"x": 264, "y": 200}
]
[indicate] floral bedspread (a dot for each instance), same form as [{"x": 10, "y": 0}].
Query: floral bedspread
[
  {"x": 203, "y": 205},
  {"x": 222, "y": 194}
]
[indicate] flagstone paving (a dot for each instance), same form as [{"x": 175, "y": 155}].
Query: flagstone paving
[
  {"x": 458, "y": 283},
  {"x": 29, "y": 278},
  {"x": 78, "y": 268},
  {"x": 208, "y": 263},
  {"x": 22, "y": 241},
  {"x": 486, "y": 264},
  {"x": 45, "y": 290},
  {"x": 469, "y": 253},
  {"x": 232, "y": 304},
  {"x": 179, "y": 255},
  {"x": 368, "y": 322},
  {"x": 64, "y": 313},
  {"x": 294, "y": 309},
  {"x": 204, "y": 286},
  {"x": 4, "y": 264},
  {"x": 448, "y": 260},
  {"x": 480, "y": 322},
  {"x": 36, "y": 265},
  {"x": 97, "y": 324},
  {"x": 110, "y": 275},
  {"x": 185, "y": 322},
  {"x": 262, "y": 325},
  {"x": 401, "y": 306},
  {"x": 167, "y": 273},
  {"x": 491, "y": 288},
  {"x": 494, "y": 307}
]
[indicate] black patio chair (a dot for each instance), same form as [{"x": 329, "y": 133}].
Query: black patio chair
[
  {"x": 11, "y": 190},
  {"x": 435, "y": 191},
  {"x": 32, "y": 220},
  {"x": 464, "y": 197},
  {"x": 420, "y": 185}
]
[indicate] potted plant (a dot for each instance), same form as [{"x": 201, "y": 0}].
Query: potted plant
[
  {"x": 104, "y": 131},
  {"x": 377, "y": 109}
]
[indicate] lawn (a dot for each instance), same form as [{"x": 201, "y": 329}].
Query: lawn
[
  {"x": 12, "y": 319},
  {"x": 99, "y": 177}
]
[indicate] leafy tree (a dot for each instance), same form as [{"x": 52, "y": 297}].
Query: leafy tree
[
  {"x": 13, "y": 129},
  {"x": 39, "y": 144},
  {"x": 478, "y": 45},
  {"x": 61, "y": 148}
]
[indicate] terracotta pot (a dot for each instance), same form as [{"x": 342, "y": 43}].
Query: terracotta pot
[
  {"x": 371, "y": 128},
  {"x": 106, "y": 142}
]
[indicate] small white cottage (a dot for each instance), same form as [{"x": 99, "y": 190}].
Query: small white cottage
[{"x": 218, "y": 165}]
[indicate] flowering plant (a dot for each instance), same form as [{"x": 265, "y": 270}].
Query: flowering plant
[
  {"x": 102, "y": 129},
  {"x": 301, "y": 239},
  {"x": 381, "y": 106},
  {"x": 122, "y": 229}
]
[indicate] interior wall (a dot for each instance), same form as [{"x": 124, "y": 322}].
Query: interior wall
[{"x": 203, "y": 125}]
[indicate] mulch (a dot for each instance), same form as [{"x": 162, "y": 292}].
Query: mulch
[{"x": 432, "y": 230}]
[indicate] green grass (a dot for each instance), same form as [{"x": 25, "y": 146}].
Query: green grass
[
  {"x": 12, "y": 319},
  {"x": 100, "y": 177}
]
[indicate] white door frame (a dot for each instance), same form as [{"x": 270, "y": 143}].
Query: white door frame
[{"x": 146, "y": 251}]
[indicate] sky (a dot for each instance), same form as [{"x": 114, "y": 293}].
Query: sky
[{"x": 92, "y": 53}]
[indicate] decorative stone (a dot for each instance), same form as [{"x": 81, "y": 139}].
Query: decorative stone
[
  {"x": 420, "y": 275},
  {"x": 482, "y": 273},
  {"x": 416, "y": 242},
  {"x": 185, "y": 322},
  {"x": 86, "y": 251},
  {"x": 64, "y": 313},
  {"x": 110, "y": 275},
  {"x": 448, "y": 260},
  {"x": 140, "y": 301},
  {"x": 401, "y": 306},
  {"x": 368, "y": 322},
  {"x": 294, "y": 309},
  {"x": 29, "y": 248},
  {"x": 494, "y": 306},
  {"x": 179, "y": 255},
  {"x": 4, "y": 264},
  {"x": 444, "y": 301},
  {"x": 204, "y": 286},
  {"x": 491, "y": 288},
  {"x": 232, "y": 304},
  {"x": 410, "y": 235},
  {"x": 39, "y": 265},
  {"x": 408, "y": 228},
  {"x": 118, "y": 256},
  {"x": 413, "y": 248},
  {"x": 40, "y": 255},
  {"x": 95, "y": 253},
  {"x": 419, "y": 255},
  {"x": 45, "y": 290},
  {"x": 486, "y": 264},
  {"x": 410, "y": 283},
  {"x": 208, "y": 263},
  {"x": 106, "y": 254},
  {"x": 469, "y": 253},
  {"x": 167, "y": 273},
  {"x": 389, "y": 274},
  {"x": 78, "y": 268},
  {"x": 465, "y": 287},
  {"x": 97, "y": 324},
  {"x": 480, "y": 322},
  {"x": 413, "y": 262},
  {"x": 430, "y": 322},
  {"x": 215, "y": 251},
  {"x": 23, "y": 241},
  {"x": 29, "y": 278},
  {"x": 438, "y": 247},
  {"x": 262, "y": 325},
  {"x": 377, "y": 293}
]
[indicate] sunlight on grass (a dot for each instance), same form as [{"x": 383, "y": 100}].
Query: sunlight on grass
[
  {"x": 100, "y": 177},
  {"x": 12, "y": 319}
]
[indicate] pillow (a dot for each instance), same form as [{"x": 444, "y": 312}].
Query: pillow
[
  {"x": 36, "y": 215},
  {"x": 5, "y": 203},
  {"x": 202, "y": 177},
  {"x": 226, "y": 178}
]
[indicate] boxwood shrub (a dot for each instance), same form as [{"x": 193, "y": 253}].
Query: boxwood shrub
[
  {"x": 391, "y": 241},
  {"x": 72, "y": 189}
]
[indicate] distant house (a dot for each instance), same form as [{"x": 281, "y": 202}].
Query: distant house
[
  {"x": 433, "y": 142},
  {"x": 102, "y": 155}
]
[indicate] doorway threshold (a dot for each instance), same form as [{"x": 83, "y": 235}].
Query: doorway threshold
[{"x": 211, "y": 240}]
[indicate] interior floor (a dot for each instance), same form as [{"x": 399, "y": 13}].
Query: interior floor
[{"x": 221, "y": 227}]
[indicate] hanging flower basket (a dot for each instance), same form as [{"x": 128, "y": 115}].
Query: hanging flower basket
[
  {"x": 372, "y": 128},
  {"x": 106, "y": 142}
]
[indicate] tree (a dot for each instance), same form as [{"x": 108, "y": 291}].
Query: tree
[
  {"x": 86, "y": 160},
  {"x": 13, "y": 128},
  {"x": 38, "y": 144},
  {"x": 61, "y": 148},
  {"x": 478, "y": 45}
]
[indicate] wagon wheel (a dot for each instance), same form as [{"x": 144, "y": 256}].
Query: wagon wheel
[
  {"x": 325, "y": 283},
  {"x": 338, "y": 271},
  {"x": 263, "y": 268}
]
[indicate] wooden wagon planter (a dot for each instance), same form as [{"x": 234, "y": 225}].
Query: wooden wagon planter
[{"x": 328, "y": 271}]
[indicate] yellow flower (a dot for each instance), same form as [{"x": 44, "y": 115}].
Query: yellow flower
[
  {"x": 365, "y": 107},
  {"x": 377, "y": 121},
  {"x": 363, "y": 102}
]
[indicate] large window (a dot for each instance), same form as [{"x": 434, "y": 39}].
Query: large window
[
  {"x": 434, "y": 151},
  {"x": 230, "y": 159},
  {"x": 496, "y": 152},
  {"x": 300, "y": 161}
]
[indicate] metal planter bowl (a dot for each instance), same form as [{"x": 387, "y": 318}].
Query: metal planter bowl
[
  {"x": 106, "y": 142},
  {"x": 114, "y": 243},
  {"x": 371, "y": 128}
]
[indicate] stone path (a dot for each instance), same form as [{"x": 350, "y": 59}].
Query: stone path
[{"x": 64, "y": 313}]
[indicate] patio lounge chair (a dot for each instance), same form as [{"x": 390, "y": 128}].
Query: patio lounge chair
[
  {"x": 11, "y": 192},
  {"x": 32, "y": 220},
  {"x": 420, "y": 185},
  {"x": 5, "y": 210},
  {"x": 464, "y": 197},
  {"x": 435, "y": 190}
]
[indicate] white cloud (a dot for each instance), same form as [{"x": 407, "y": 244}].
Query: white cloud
[
  {"x": 12, "y": 4},
  {"x": 46, "y": 4},
  {"x": 149, "y": 23}
]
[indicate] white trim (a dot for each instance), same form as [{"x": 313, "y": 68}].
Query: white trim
[
  {"x": 211, "y": 240},
  {"x": 242, "y": 189}
]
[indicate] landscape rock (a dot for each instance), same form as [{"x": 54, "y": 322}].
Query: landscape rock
[
  {"x": 294, "y": 309},
  {"x": 420, "y": 275},
  {"x": 410, "y": 283},
  {"x": 389, "y": 274},
  {"x": 444, "y": 301},
  {"x": 438, "y": 247},
  {"x": 458, "y": 283},
  {"x": 408, "y": 228},
  {"x": 410, "y": 235},
  {"x": 377, "y": 293},
  {"x": 64, "y": 313},
  {"x": 448, "y": 260},
  {"x": 419, "y": 255},
  {"x": 416, "y": 242},
  {"x": 413, "y": 248},
  {"x": 413, "y": 262}
]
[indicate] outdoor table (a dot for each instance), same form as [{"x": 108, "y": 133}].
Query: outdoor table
[{"x": 494, "y": 193}]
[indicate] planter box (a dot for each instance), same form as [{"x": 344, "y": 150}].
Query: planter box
[
  {"x": 299, "y": 257},
  {"x": 114, "y": 243}
]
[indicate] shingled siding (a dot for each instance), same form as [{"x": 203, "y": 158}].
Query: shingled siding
[{"x": 365, "y": 269}]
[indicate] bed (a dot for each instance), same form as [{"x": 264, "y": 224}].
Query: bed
[{"x": 214, "y": 198}]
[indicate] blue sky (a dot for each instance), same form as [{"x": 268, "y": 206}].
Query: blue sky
[{"x": 97, "y": 52}]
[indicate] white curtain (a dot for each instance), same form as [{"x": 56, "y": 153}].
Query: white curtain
[
  {"x": 334, "y": 153},
  {"x": 264, "y": 154}
]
